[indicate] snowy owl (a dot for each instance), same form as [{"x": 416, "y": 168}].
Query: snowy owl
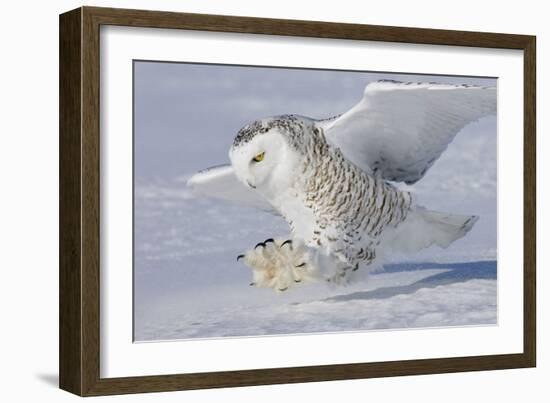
[{"x": 334, "y": 181}]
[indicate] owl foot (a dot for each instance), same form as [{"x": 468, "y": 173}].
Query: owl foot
[
  {"x": 342, "y": 274},
  {"x": 278, "y": 264}
]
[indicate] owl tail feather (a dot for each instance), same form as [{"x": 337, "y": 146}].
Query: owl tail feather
[{"x": 424, "y": 228}]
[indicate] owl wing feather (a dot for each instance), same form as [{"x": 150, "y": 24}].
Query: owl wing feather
[
  {"x": 220, "y": 182},
  {"x": 400, "y": 129}
]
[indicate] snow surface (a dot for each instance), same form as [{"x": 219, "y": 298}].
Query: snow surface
[{"x": 187, "y": 283}]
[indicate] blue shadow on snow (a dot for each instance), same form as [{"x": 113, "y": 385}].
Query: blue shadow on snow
[{"x": 457, "y": 273}]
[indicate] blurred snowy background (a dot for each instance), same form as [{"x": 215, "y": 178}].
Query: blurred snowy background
[{"x": 187, "y": 282}]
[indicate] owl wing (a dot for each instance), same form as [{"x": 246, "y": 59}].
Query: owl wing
[
  {"x": 220, "y": 182},
  {"x": 400, "y": 129}
]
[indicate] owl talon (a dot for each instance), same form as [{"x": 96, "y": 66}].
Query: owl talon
[
  {"x": 287, "y": 242},
  {"x": 259, "y": 244},
  {"x": 240, "y": 257}
]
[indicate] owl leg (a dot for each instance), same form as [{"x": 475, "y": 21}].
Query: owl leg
[
  {"x": 343, "y": 270},
  {"x": 279, "y": 264}
]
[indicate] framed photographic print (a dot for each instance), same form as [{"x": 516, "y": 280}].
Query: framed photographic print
[{"x": 249, "y": 201}]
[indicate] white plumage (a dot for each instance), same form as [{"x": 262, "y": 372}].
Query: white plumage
[{"x": 331, "y": 179}]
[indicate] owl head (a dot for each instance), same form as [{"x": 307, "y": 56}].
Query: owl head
[{"x": 266, "y": 156}]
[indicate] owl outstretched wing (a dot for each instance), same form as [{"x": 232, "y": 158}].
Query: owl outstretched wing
[
  {"x": 220, "y": 182},
  {"x": 400, "y": 129}
]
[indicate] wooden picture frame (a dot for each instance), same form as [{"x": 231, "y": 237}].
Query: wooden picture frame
[{"x": 79, "y": 347}]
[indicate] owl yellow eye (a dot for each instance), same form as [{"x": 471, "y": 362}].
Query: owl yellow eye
[{"x": 259, "y": 157}]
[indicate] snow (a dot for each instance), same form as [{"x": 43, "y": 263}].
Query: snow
[
  {"x": 450, "y": 295},
  {"x": 187, "y": 281}
]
